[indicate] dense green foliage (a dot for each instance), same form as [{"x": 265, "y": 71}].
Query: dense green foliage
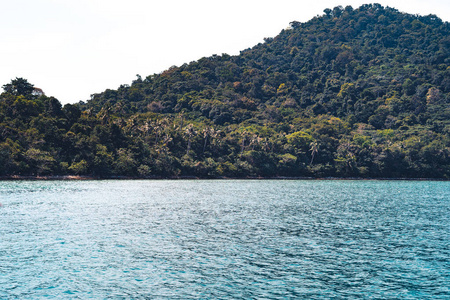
[{"x": 352, "y": 93}]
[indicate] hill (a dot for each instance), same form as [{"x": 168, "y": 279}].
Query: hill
[{"x": 352, "y": 93}]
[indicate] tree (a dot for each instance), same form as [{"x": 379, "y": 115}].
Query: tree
[
  {"x": 190, "y": 132},
  {"x": 344, "y": 94},
  {"x": 41, "y": 162},
  {"x": 53, "y": 107},
  {"x": 314, "y": 149},
  {"x": 207, "y": 132},
  {"x": 72, "y": 113},
  {"x": 79, "y": 168},
  {"x": 19, "y": 86},
  {"x": 337, "y": 11}
]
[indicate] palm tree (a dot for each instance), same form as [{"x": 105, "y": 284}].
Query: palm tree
[
  {"x": 244, "y": 137},
  {"x": 104, "y": 114},
  {"x": 190, "y": 132},
  {"x": 145, "y": 128},
  {"x": 159, "y": 128},
  {"x": 215, "y": 137},
  {"x": 314, "y": 149},
  {"x": 206, "y": 133}
]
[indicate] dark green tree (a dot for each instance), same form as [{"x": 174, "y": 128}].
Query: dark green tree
[{"x": 19, "y": 86}]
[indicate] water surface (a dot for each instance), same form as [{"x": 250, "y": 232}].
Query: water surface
[{"x": 224, "y": 239}]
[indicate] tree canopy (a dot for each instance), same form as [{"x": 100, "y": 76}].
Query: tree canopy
[
  {"x": 19, "y": 86},
  {"x": 352, "y": 93}
]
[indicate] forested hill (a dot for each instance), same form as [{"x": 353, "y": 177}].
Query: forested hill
[{"x": 352, "y": 93}]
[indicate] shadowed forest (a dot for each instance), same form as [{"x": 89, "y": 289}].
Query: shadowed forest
[{"x": 352, "y": 93}]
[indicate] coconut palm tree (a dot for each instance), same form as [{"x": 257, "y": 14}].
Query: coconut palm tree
[
  {"x": 189, "y": 132},
  {"x": 314, "y": 149},
  {"x": 207, "y": 132}
]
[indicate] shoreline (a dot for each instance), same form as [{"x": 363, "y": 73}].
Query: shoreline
[{"x": 97, "y": 178}]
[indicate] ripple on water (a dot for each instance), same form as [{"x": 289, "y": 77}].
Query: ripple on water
[{"x": 224, "y": 239}]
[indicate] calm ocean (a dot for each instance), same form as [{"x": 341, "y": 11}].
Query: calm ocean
[{"x": 224, "y": 239}]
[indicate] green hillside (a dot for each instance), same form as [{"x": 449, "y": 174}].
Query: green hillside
[{"x": 352, "y": 93}]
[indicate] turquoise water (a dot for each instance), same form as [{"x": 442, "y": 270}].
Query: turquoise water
[{"x": 224, "y": 240}]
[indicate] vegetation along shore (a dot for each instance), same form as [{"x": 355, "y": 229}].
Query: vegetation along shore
[{"x": 353, "y": 93}]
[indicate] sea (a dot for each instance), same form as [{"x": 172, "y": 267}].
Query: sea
[{"x": 225, "y": 239}]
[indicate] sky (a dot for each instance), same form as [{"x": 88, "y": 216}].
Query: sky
[{"x": 74, "y": 48}]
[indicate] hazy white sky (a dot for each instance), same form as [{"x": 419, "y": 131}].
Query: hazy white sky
[{"x": 74, "y": 48}]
